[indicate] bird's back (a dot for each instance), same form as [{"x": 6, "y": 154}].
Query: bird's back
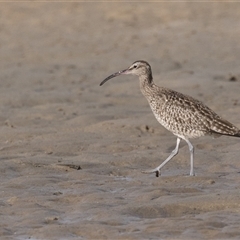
[{"x": 186, "y": 116}]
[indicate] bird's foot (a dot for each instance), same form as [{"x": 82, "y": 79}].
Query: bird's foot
[
  {"x": 155, "y": 170},
  {"x": 192, "y": 173}
]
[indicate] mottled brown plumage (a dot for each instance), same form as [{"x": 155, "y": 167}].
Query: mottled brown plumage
[{"x": 182, "y": 115}]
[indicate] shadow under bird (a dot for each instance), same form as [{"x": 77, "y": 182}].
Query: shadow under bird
[{"x": 182, "y": 115}]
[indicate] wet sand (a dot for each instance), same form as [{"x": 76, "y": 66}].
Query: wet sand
[{"x": 72, "y": 152}]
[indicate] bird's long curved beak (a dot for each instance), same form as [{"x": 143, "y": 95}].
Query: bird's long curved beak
[{"x": 114, "y": 75}]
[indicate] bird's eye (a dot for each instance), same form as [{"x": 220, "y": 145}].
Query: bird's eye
[{"x": 135, "y": 66}]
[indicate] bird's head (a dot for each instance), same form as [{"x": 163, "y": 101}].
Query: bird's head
[{"x": 138, "y": 68}]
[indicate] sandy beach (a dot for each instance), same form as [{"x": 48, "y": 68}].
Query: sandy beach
[{"x": 72, "y": 152}]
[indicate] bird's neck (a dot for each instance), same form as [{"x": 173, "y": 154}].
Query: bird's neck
[
  {"x": 146, "y": 84},
  {"x": 146, "y": 80}
]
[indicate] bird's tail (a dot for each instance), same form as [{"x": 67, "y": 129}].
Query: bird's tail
[
  {"x": 237, "y": 134},
  {"x": 222, "y": 127}
]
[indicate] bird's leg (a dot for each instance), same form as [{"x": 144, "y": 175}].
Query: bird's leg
[
  {"x": 191, "y": 149},
  {"x": 173, "y": 153}
]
